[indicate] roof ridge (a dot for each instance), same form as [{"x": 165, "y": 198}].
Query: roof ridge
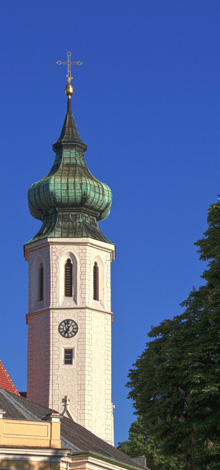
[{"x": 27, "y": 414}]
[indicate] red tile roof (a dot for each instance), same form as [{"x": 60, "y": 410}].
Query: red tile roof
[{"x": 5, "y": 381}]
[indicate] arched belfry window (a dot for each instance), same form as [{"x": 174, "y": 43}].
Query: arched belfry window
[
  {"x": 40, "y": 282},
  {"x": 96, "y": 281},
  {"x": 68, "y": 288}
]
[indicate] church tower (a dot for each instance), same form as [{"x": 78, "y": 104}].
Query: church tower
[{"x": 69, "y": 309}]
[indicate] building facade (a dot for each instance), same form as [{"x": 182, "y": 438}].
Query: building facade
[
  {"x": 34, "y": 438},
  {"x": 69, "y": 313}
]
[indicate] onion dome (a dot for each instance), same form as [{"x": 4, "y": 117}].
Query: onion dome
[{"x": 69, "y": 200}]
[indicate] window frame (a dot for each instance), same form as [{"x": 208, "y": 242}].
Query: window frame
[
  {"x": 68, "y": 351},
  {"x": 68, "y": 278},
  {"x": 96, "y": 281},
  {"x": 40, "y": 282}
]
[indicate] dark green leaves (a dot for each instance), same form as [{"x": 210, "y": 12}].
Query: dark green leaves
[{"x": 175, "y": 383}]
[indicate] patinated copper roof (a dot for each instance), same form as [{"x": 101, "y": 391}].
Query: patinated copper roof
[{"x": 70, "y": 200}]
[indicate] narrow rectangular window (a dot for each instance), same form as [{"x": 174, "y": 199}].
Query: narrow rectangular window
[
  {"x": 68, "y": 278},
  {"x": 40, "y": 282},
  {"x": 96, "y": 281},
  {"x": 68, "y": 356}
]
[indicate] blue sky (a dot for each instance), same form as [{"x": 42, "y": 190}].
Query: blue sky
[{"x": 147, "y": 103}]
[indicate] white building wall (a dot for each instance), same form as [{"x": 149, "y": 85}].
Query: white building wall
[{"x": 87, "y": 382}]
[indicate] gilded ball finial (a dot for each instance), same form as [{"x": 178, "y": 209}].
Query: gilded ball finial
[{"x": 69, "y": 90}]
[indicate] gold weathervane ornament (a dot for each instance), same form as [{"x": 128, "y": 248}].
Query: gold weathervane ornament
[{"x": 69, "y": 88}]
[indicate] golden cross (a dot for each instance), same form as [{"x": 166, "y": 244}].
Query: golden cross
[{"x": 68, "y": 63}]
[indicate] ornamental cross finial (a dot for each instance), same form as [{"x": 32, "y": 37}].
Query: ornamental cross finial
[{"x": 68, "y": 62}]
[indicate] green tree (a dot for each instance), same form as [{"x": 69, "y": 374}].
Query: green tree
[
  {"x": 139, "y": 443},
  {"x": 175, "y": 383}
]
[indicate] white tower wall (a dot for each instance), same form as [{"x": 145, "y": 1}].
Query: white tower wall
[{"x": 87, "y": 381}]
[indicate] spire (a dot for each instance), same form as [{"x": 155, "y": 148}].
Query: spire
[{"x": 69, "y": 134}]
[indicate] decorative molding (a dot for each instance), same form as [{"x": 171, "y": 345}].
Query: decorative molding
[
  {"x": 44, "y": 310},
  {"x": 110, "y": 248}
]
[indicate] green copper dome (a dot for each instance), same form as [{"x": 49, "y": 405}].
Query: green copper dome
[{"x": 69, "y": 200}]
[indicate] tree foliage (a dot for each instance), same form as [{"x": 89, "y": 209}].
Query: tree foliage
[
  {"x": 175, "y": 383},
  {"x": 140, "y": 443}
]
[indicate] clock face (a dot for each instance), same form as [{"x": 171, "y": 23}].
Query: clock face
[{"x": 68, "y": 328}]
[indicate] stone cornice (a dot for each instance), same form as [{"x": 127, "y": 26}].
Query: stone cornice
[
  {"x": 93, "y": 460},
  {"x": 27, "y": 452},
  {"x": 48, "y": 309},
  {"x": 110, "y": 248}
]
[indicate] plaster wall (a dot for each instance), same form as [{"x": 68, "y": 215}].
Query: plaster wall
[
  {"x": 38, "y": 369},
  {"x": 18, "y": 462},
  {"x": 30, "y": 433},
  {"x": 40, "y": 255},
  {"x": 86, "y": 382}
]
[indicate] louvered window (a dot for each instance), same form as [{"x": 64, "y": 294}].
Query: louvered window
[
  {"x": 68, "y": 278},
  {"x": 40, "y": 282},
  {"x": 96, "y": 281},
  {"x": 68, "y": 356}
]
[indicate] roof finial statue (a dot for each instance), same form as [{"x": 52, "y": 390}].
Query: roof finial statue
[
  {"x": 66, "y": 411},
  {"x": 69, "y": 88}
]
